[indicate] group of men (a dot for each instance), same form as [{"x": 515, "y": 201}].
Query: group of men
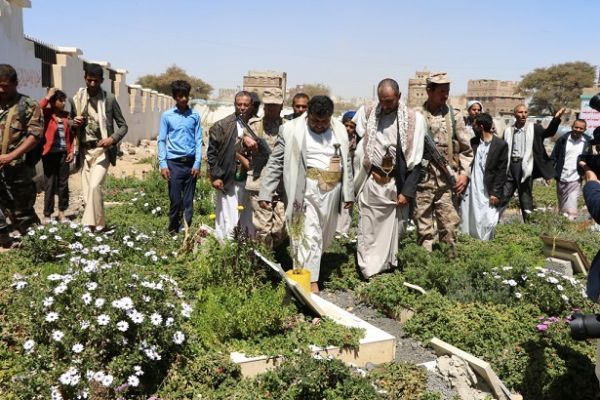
[
  {"x": 94, "y": 114},
  {"x": 421, "y": 164}
]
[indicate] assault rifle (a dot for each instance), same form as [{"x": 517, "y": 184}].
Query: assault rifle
[
  {"x": 439, "y": 160},
  {"x": 260, "y": 158}
]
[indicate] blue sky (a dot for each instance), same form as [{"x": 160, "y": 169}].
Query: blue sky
[{"x": 347, "y": 45}]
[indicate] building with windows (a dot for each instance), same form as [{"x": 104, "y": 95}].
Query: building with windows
[{"x": 499, "y": 98}]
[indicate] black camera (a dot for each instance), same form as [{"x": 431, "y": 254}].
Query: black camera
[
  {"x": 585, "y": 326},
  {"x": 595, "y": 102}
]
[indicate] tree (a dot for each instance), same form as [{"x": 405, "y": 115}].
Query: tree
[
  {"x": 557, "y": 86},
  {"x": 162, "y": 82},
  {"x": 311, "y": 89}
]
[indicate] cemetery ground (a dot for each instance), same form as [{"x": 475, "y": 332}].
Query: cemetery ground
[{"x": 137, "y": 313}]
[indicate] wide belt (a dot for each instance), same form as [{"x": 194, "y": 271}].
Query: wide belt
[
  {"x": 516, "y": 159},
  {"x": 327, "y": 180},
  {"x": 380, "y": 176}
]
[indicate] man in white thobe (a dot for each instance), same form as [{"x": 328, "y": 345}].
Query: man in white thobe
[
  {"x": 312, "y": 155},
  {"x": 389, "y": 155}
]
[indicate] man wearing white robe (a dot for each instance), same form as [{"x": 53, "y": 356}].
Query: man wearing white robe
[
  {"x": 384, "y": 189},
  {"x": 304, "y": 155}
]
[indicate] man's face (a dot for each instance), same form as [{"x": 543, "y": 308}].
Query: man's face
[
  {"x": 318, "y": 124},
  {"x": 577, "y": 129},
  {"x": 474, "y": 110},
  {"x": 182, "y": 100},
  {"x": 300, "y": 105},
  {"x": 350, "y": 127},
  {"x": 439, "y": 96},
  {"x": 243, "y": 106},
  {"x": 93, "y": 84},
  {"x": 521, "y": 115},
  {"x": 272, "y": 111},
  {"x": 8, "y": 90},
  {"x": 388, "y": 99}
]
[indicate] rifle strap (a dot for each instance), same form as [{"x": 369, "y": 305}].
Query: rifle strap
[
  {"x": 451, "y": 132},
  {"x": 6, "y": 133}
]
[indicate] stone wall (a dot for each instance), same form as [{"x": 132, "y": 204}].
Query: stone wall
[{"x": 141, "y": 107}]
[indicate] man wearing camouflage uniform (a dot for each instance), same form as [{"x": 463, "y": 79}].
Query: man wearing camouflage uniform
[
  {"x": 434, "y": 198},
  {"x": 21, "y": 128},
  {"x": 269, "y": 223}
]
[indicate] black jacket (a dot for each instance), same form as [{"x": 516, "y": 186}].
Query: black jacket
[
  {"x": 494, "y": 175},
  {"x": 559, "y": 153},
  {"x": 543, "y": 166},
  {"x": 221, "y": 150}
]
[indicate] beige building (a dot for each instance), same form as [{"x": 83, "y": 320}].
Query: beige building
[
  {"x": 498, "y": 97},
  {"x": 416, "y": 89},
  {"x": 258, "y": 81}
]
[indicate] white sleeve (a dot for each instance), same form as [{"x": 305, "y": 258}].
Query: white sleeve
[{"x": 360, "y": 119}]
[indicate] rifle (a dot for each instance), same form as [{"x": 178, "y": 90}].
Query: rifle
[
  {"x": 261, "y": 157},
  {"x": 439, "y": 160}
]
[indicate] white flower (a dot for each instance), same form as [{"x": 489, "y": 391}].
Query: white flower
[
  {"x": 169, "y": 321},
  {"x": 51, "y": 316},
  {"x": 560, "y": 288},
  {"x": 130, "y": 244},
  {"x": 84, "y": 325},
  {"x": 186, "y": 310},
  {"x": 57, "y": 335},
  {"x": 107, "y": 380},
  {"x": 73, "y": 225},
  {"x": 138, "y": 370},
  {"x": 77, "y": 348},
  {"x": 19, "y": 285},
  {"x": 145, "y": 204},
  {"x": 524, "y": 277},
  {"x": 512, "y": 282},
  {"x": 124, "y": 303},
  {"x": 56, "y": 237},
  {"x": 86, "y": 298},
  {"x": 31, "y": 233},
  {"x": 178, "y": 337},
  {"x": 103, "y": 319},
  {"x": 153, "y": 212},
  {"x": 552, "y": 280},
  {"x": 152, "y": 354},
  {"x": 54, "y": 277},
  {"x": 507, "y": 268},
  {"x": 565, "y": 298},
  {"x": 135, "y": 316},
  {"x": 98, "y": 376},
  {"x": 91, "y": 286},
  {"x": 99, "y": 239},
  {"x": 146, "y": 298},
  {"x": 156, "y": 319},
  {"x": 28, "y": 346},
  {"x": 60, "y": 288},
  {"x": 52, "y": 230},
  {"x": 55, "y": 393},
  {"x": 89, "y": 375},
  {"x": 99, "y": 302},
  {"x": 518, "y": 295},
  {"x": 133, "y": 381},
  {"x": 122, "y": 326},
  {"x": 158, "y": 208},
  {"x": 43, "y": 237}
]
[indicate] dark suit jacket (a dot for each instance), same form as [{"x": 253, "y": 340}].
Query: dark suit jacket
[
  {"x": 494, "y": 175},
  {"x": 591, "y": 194},
  {"x": 543, "y": 166},
  {"x": 221, "y": 150},
  {"x": 113, "y": 115},
  {"x": 559, "y": 153}
]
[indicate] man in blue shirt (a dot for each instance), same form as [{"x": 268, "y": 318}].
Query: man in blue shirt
[{"x": 179, "y": 154}]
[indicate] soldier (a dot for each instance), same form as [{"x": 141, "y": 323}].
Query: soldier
[
  {"x": 269, "y": 223},
  {"x": 21, "y": 128},
  {"x": 434, "y": 198},
  {"x": 299, "y": 105},
  {"x": 94, "y": 114},
  {"x": 345, "y": 217}
]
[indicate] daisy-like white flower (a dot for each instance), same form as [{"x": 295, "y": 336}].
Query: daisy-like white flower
[
  {"x": 51, "y": 316},
  {"x": 28, "y": 346},
  {"x": 99, "y": 239},
  {"x": 43, "y": 237},
  {"x": 70, "y": 377},
  {"x": 31, "y": 232},
  {"x": 52, "y": 230},
  {"x": 91, "y": 286},
  {"x": 560, "y": 287},
  {"x": 138, "y": 370},
  {"x": 73, "y": 225},
  {"x": 152, "y": 354},
  {"x": 60, "y": 288},
  {"x": 178, "y": 337},
  {"x": 186, "y": 310},
  {"x": 107, "y": 380},
  {"x": 122, "y": 326},
  {"x": 146, "y": 298},
  {"x": 99, "y": 302},
  {"x": 507, "y": 268},
  {"x": 57, "y": 237},
  {"x": 77, "y": 348},
  {"x": 130, "y": 244},
  {"x": 19, "y": 285},
  {"x": 99, "y": 375},
  {"x": 169, "y": 321},
  {"x": 57, "y": 335},
  {"x": 103, "y": 319},
  {"x": 84, "y": 325},
  {"x": 54, "y": 277},
  {"x": 518, "y": 295},
  {"x": 89, "y": 375},
  {"x": 55, "y": 393},
  {"x": 124, "y": 303},
  {"x": 136, "y": 316},
  {"x": 565, "y": 298},
  {"x": 86, "y": 298},
  {"x": 552, "y": 280},
  {"x": 512, "y": 282},
  {"x": 146, "y": 204},
  {"x": 156, "y": 319},
  {"x": 133, "y": 380}
]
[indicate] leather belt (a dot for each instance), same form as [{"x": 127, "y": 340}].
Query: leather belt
[
  {"x": 183, "y": 159},
  {"x": 92, "y": 144},
  {"x": 516, "y": 159},
  {"x": 380, "y": 176}
]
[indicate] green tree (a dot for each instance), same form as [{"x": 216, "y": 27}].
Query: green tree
[
  {"x": 162, "y": 82},
  {"x": 557, "y": 86},
  {"x": 311, "y": 89}
]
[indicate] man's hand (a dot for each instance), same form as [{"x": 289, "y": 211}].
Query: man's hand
[
  {"x": 461, "y": 183},
  {"x": 6, "y": 159},
  {"x": 494, "y": 201},
  {"x": 69, "y": 158},
  {"x": 245, "y": 163},
  {"x": 165, "y": 173},
  {"x": 560, "y": 112},
  {"x": 195, "y": 173},
  {"x": 250, "y": 143},
  {"x": 589, "y": 174},
  {"x": 402, "y": 200},
  {"x": 78, "y": 121},
  {"x": 218, "y": 184},
  {"x": 265, "y": 205},
  {"x": 50, "y": 93},
  {"x": 106, "y": 143},
  {"x": 348, "y": 205}
]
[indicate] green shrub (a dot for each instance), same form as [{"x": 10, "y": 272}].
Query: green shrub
[{"x": 400, "y": 381}]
